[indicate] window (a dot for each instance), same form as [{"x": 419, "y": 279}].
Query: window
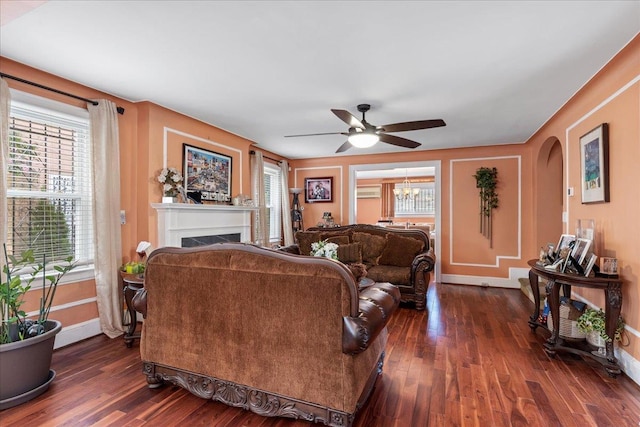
[
  {"x": 49, "y": 196},
  {"x": 424, "y": 203},
  {"x": 272, "y": 185}
]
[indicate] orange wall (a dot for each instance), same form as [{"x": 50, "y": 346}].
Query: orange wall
[
  {"x": 464, "y": 195},
  {"x": 613, "y": 97},
  {"x": 142, "y": 135}
]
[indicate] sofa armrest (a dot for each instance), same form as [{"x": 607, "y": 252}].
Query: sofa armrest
[
  {"x": 376, "y": 305},
  {"x": 139, "y": 302},
  {"x": 425, "y": 261}
]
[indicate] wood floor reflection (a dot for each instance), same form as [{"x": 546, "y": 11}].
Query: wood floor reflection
[{"x": 470, "y": 359}]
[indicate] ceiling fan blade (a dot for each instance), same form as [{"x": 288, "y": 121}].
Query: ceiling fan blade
[
  {"x": 315, "y": 134},
  {"x": 344, "y": 147},
  {"x": 348, "y": 118},
  {"x": 399, "y": 141},
  {"x": 417, "y": 125}
]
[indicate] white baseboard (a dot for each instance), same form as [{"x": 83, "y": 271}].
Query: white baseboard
[
  {"x": 493, "y": 282},
  {"x": 629, "y": 365},
  {"x": 78, "y": 332}
]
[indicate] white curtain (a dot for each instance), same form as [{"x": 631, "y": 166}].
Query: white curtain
[
  {"x": 261, "y": 220},
  {"x": 5, "y": 105},
  {"x": 106, "y": 214},
  {"x": 286, "y": 206}
]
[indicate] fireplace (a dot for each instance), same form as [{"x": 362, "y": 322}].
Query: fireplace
[
  {"x": 190, "y": 242},
  {"x": 186, "y": 225}
]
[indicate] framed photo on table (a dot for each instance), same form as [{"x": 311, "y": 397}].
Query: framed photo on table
[
  {"x": 590, "y": 262},
  {"x": 594, "y": 165},
  {"x": 207, "y": 173},
  {"x": 580, "y": 250},
  {"x": 318, "y": 190}
]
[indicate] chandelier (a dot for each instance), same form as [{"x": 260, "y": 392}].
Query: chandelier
[{"x": 405, "y": 192}]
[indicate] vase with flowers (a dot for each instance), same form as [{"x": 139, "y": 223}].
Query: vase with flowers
[
  {"x": 324, "y": 249},
  {"x": 171, "y": 181}
]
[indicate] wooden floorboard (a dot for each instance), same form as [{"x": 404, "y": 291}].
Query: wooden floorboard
[{"x": 470, "y": 359}]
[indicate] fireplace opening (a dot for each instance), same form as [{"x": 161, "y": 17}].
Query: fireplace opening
[{"x": 190, "y": 242}]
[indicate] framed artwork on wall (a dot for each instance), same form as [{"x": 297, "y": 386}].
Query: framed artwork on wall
[
  {"x": 318, "y": 190},
  {"x": 594, "y": 165},
  {"x": 207, "y": 173}
]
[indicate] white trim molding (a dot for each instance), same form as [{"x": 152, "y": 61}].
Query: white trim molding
[
  {"x": 510, "y": 282},
  {"x": 498, "y": 257},
  {"x": 78, "y": 332}
]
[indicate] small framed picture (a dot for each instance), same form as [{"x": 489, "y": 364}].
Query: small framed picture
[
  {"x": 565, "y": 244},
  {"x": 580, "y": 250},
  {"x": 594, "y": 165},
  {"x": 318, "y": 190},
  {"x": 591, "y": 260},
  {"x": 609, "y": 265}
]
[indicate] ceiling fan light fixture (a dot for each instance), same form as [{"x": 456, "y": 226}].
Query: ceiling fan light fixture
[{"x": 363, "y": 139}]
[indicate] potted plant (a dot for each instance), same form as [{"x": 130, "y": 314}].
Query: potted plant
[
  {"x": 26, "y": 345},
  {"x": 593, "y": 323}
]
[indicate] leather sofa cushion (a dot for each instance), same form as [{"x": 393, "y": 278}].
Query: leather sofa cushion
[
  {"x": 350, "y": 253},
  {"x": 372, "y": 246},
  {"x": 400, "y": 251}
]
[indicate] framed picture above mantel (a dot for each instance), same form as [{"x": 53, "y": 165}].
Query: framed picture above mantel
[
  {"x": 207, "y": 173},
  {"x": 594, "y": 165}
]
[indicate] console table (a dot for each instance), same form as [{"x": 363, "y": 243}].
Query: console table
[{"x": 613, "y": 302}]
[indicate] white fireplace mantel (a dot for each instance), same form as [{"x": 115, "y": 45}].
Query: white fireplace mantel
[{"x": 179, "y": 220}]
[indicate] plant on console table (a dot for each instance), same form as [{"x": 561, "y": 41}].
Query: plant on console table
[
  {"x": 324, "y": 249},
  {"x": 594, "y": 322},
  {"x": 26, "y": 345}
]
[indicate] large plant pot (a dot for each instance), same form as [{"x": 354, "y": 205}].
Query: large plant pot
[{"x": 25, "y": 367}]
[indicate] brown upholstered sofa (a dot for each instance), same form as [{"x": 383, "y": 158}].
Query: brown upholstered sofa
[
  {"x": 275, "y": 333},
  {"x": 399, "y": 256}
]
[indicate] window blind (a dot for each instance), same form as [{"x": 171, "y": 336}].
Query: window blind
[
  {"x": 272, "y": 176},
  {"x": 423, "y": 205},
  {"x": 49, "y": 196}
]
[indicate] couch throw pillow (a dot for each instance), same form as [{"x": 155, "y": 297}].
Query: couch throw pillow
[
  {"x": 338, "y": 240},
  {"x": 372, "y": 246},
  {"x": 305, "y": 239},
  {"x": 400, "y": 251},
  {"x": 350, "y": 253}
]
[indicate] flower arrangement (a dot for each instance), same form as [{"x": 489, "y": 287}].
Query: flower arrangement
[
  {"x": 324, "y": 249},
  {"x": 171, "y": 181}
]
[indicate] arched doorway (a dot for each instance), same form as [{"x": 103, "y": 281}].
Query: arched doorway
[{"x": 549, "y": 198}]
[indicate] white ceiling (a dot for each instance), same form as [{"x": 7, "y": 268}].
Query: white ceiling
[{"x": 494, "y": 71}]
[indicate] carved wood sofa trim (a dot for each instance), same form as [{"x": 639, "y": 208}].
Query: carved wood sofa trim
[{"x": 258, "y": 401}]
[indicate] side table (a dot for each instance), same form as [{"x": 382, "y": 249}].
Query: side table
[
  {"x": 613, "y": 303},
  {"x": 131, "y": 284}
]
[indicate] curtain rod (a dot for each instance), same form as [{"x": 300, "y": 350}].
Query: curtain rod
[
  {"x": 266, "y": 157},
  {"x": 18, "y": 79}
]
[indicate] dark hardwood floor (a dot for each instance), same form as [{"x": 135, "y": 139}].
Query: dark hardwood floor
[{"x": 469, "y": 360}]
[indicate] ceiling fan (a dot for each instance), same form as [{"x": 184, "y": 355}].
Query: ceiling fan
[{"x": 362, "y": 134}]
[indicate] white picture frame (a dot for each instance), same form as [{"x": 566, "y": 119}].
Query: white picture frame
[
  {"x": 580, "y": 250},
  {"x": 590, "y": 263}
]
